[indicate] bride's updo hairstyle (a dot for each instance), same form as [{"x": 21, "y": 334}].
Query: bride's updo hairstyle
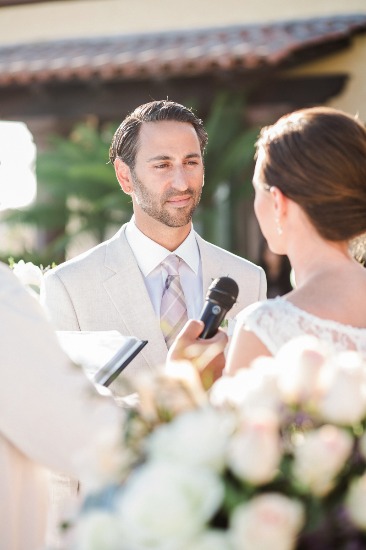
[{"x": 317, "y": 158}]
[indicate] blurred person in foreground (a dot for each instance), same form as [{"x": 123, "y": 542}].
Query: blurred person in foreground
[
  {"x": 157, "y": 153},
  {"x": 310, "y": 186},
  {"x": 50, "y": 415}
]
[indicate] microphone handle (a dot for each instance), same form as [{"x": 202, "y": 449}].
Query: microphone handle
[{"x": 212, "y": 315}]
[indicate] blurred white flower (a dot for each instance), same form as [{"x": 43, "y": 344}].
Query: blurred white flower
[
  {"x": 28, "y": 273},
  {"x": 197, "y": 438},
  {"x": 299, "y": 365},
  {"x": 165, "y": 505},
  {"x": 254, "y": 452},
  {"x": 356, "y": 502},
  {"x": 98, "y": 530},
  {"x": 230, "y": 390},
  {"x": 343, "y": 389},
  {"x": 211, "y": 540},
  {"x": 189, "y": 468},
  {"x": 270, "y": 521},
  {"x": 319, "y": 456},
  {"x": 256, "y": 386},
  {"x": 174, "y": 390}
]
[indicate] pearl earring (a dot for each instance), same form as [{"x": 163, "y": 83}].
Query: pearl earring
[{"x": 278, "y": 226}]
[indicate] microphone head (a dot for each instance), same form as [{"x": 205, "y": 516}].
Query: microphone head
[{"x": 224, "y": 291}]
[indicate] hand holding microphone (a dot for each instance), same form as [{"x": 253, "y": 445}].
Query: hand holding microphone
[
  {"x": 220, "y": 298},
  {"x": 201, "y": 341}
]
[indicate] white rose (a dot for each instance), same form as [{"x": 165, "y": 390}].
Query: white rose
[
  {"x": 199, "y": 437},
  {"x": 28, "y": 273},
  {"x": 211, "y": 540},
  {"x": 270, "y": 521},
  {"x": 299, "y": 365},
  {"x": 229, "y": 389},
  {"x": 256, "y": 386},
  {"x": 174, "y": 390},
  {"x": 356, "y": 502},
  {"x": 319, "y": 456},
  {"x": 98, "y": 530},
  {"x": 343, "y": 384},
  {"x": 254, "y": 452},
  {"x": 165, "y": 505}
]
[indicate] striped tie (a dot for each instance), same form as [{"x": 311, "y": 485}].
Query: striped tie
[{"x": 173, "y": 311}]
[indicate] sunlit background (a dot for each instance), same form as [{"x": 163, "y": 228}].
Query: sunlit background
[{"x": 18, "y": 184}]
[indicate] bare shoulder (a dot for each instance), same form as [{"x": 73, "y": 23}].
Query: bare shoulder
[{"x": 244, "y": 347}]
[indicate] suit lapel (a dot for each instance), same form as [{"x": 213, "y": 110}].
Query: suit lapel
[
  {"x": 213, "y": 266},
  {"x": 127, "y": 290}
]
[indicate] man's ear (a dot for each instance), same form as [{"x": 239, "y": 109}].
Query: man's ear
[{"x": 123, "y": 174}]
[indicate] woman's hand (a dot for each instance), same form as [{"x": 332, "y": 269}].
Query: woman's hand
[{"x": 206, "y": 354}]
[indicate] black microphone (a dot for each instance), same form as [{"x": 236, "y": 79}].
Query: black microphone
[{"x": 220, "y": 298}]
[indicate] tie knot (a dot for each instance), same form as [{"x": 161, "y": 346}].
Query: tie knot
[{"x": 171, "y": 264}]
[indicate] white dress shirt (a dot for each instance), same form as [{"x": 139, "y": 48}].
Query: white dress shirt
[{"x": 149, "y": 256}]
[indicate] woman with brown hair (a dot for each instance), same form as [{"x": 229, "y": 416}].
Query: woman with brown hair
[{"x": 310, "y": 185}]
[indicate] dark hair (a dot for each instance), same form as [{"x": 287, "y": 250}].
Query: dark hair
[
  {"x": 317, "y": 158},
  {"x": 125, "y": 140}
]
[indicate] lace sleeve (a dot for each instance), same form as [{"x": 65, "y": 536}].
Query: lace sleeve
[
  {"x": 262, "y": 320},
  {"x": 277, "y": 321}
]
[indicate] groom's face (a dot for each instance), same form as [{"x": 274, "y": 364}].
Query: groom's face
[{"x": 168, "y": 175}]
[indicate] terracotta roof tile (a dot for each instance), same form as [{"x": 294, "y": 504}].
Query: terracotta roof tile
[{"x": 176, "y": 53}]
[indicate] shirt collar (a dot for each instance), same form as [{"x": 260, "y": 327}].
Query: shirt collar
[{"x": 150, "y": 254}]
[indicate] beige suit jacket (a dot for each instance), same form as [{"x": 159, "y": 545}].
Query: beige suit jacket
[
  {"x": 47, "y": 415},
  {"x": 103, "y": 289}
]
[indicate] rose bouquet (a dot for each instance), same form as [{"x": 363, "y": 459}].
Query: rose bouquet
[{"x": 272, "y": 458}]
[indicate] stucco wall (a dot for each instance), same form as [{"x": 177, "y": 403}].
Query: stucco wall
[
  {"x": 76, "y": 18},
  {"x": 103, "y": 17},
  {"x": 353, "y": 62}
]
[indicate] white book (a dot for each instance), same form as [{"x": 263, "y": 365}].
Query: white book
[{"x": 102, "y": 354}]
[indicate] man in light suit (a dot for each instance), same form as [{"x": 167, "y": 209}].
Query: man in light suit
[{"x": 157, "y": 153}]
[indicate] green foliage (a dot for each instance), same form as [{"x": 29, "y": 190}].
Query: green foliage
[
  {"x": 75, "y": 183},
  {"x": 78, "y": 192},
  {"x": 230, "y": 148},
  {"x": 228, "y": 159}
]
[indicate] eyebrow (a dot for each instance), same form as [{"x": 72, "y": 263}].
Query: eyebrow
[{"x": 167, "y": 157}]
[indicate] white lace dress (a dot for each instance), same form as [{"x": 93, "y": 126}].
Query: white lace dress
[{"x": 277, "y": 321}]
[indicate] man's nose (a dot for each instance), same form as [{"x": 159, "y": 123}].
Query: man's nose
[{"x": 180, "y": 179}]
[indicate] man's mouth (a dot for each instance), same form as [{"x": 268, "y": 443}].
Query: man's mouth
[{"x": 179, "y": 201}]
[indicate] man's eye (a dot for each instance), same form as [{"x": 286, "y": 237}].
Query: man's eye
[{"x": 164, "y": 165}]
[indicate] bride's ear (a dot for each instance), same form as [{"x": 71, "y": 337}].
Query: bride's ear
[{"x": 279, "y": 202}]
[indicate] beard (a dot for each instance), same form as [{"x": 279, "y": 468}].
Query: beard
[{"x": 155, "y": 206}]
